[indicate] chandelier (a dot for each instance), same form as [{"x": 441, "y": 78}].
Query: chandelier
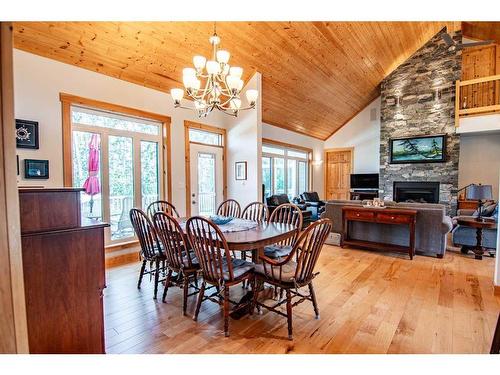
[{"x": 222, "y": 84}]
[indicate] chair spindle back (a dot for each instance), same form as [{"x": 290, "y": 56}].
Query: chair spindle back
[
  {"x": 173, "y": 239},
  {"x": 288, "y": 213},
  {"x": 162, "y": 206},
  {"x": 144, "y": 229},
  {"x": 211, "y": 249},
  {"x": 308, "y": 248},
  {"x": 256, "y": 211},
  {"x": 229, "y": 207}
]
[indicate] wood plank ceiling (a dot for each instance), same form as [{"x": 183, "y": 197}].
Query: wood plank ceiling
[{"x": 316, "y": 75}]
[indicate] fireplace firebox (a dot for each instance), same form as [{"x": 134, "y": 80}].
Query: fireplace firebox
[{"x": 420, "y": 192}]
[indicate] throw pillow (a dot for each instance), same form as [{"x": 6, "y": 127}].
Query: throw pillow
[
  {"x": 488, "y": 210},
  {"x": 495, "y": 214}
]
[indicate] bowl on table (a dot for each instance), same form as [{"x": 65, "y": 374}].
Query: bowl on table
[{"x": 220, "y": 220}]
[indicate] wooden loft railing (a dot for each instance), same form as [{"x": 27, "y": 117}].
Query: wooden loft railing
[{"x": 477, "y": 96}]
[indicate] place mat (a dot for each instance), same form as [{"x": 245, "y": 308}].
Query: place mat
[{"x": 235, "y": 225}]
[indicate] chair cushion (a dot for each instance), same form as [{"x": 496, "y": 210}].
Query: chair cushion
[
  {"x": 287, "y": 272},
  {"x": 240, "y": 268},
  {"x": 277, "y": 251}
]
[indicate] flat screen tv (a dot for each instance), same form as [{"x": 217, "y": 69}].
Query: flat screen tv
[
  {"x": 364, "y": 181},
  {"x": 422, "y": 149}
]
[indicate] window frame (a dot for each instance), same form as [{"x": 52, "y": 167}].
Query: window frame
[{"x": 288, "y": 147}]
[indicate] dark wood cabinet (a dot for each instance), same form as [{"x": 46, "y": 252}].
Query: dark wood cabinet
[{"x": 64, "y": 275}]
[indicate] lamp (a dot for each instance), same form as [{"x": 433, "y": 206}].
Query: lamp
[{"x": 479, "y": 193}]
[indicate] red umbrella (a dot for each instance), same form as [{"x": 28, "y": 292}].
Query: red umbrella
[{"x": 91, "y": 184}]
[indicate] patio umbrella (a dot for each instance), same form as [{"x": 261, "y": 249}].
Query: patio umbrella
[{"x": 91, "y": 184}]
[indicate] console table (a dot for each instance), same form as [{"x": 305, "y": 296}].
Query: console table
[{"x": 389, "y": 216}]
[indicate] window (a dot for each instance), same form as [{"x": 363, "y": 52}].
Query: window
[
  {"x": 205, "y": 137},
  {"x": 129, "y": 168},
  {"x": 284, "y": 170}
]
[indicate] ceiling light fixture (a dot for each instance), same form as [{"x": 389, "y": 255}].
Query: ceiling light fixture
[{"x": 222, "y": 86}]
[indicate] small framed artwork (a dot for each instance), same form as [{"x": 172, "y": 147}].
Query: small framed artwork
[
  {"x": 26, "y": 134},
  {"x": 36, "y": 169},
  {"x": 240, "y": 170}
]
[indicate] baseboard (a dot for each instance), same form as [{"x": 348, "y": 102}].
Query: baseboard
[
  {"x": 120, "y": 260},
  {"x": 497, "y": 290}
]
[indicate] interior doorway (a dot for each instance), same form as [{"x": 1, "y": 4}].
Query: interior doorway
[{"x": 338, "y": 168}]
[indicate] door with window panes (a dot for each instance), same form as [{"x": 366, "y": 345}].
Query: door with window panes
[
  {"x": 130, "y": 168},
  {"x": 284, "y": 171}
]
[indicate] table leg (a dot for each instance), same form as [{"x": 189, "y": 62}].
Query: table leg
[{"x": 478, "y": 249}]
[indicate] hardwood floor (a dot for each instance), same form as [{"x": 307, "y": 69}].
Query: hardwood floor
[{"x": 369, "y": 303}]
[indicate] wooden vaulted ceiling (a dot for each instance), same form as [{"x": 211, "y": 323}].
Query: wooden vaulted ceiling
[{"x": 316, "y": 75}]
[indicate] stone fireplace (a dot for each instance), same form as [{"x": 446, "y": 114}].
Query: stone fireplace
[
  {"x": 419, "y": 192},
  {"x": 418, "y": 98}
]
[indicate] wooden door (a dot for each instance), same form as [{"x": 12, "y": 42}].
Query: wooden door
[
  {"x": 478, "y": 63},
  {"x": 337, "y": 174}
]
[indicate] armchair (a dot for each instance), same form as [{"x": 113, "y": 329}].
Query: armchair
[
  {"x": 274, "y": 201},
  {"x": 312, "y": 200}
]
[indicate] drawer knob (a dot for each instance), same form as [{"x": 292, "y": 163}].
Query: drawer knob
[
  {"x": 357, "y": 215},
  {"x": 392, "y": 217}
]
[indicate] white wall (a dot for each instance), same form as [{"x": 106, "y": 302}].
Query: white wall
[
  {"x": 244, "y": 135},
  {"x": 474, "y": 124},
  {"x": 317, "y": 145},
  {"x": 37, "y": 84},
  {"x": 479, "y": 160},
  {"x": 364, "y": 135}
]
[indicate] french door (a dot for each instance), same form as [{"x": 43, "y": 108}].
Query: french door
[
  {"x": 129, "y": 172},
  {"x": 207, "y": 178}
]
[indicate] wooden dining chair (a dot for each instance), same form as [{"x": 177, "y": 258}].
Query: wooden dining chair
[
  {"x": 294, "y": 272},
  {"x": 151, "y": 249},
  {"x": 229, "y": 207},
  {"x": 218, "y": 267},
  {"x": 286, "y": 213},
  {"x": 179, "y": 258},
  {"x": 162, "y": 206},
  {"x": 255, "y": 211}
]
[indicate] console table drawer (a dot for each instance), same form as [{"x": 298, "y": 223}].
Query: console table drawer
[
  {"x": 393, "y": 218},
  {"x": 357, "y": 215}
]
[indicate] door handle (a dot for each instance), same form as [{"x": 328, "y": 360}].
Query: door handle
[{"x": 193, "y": 202}]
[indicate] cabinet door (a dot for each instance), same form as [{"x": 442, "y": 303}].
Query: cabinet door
[{"x": 64, "y": 278}]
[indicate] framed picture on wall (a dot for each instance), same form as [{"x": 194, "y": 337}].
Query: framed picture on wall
[
  {"x": 36, "y": 169},
  {"x": 26, "y": 134},
  {"x": 240, "y": 170}
]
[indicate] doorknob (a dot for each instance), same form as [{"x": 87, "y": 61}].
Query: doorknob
[
  {"x": 193, "y": 195},
  {"x": 193, "y": 202}
]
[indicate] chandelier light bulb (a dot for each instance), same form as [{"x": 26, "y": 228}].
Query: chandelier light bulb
[
  {"x": 213, "y": 67},
  {"x": 252, "y": 96},
  {"x": 177, "y": 94},
  {"x": 199, "y": 62},
  {"x": 232, "y": 82},
  {"x": 189, "y": 82},
  {"x": 236, "y": 71},
  {"x": 223, "y": 56},
  {"x": 188, "y": 72}
]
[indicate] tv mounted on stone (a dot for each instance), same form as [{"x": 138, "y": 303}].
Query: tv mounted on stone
[{"x": 418, "y": 149}]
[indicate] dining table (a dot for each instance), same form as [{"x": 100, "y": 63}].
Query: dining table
[
  {"x": 247, "y": 236},
  {"x": 251, "y": 236}
]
